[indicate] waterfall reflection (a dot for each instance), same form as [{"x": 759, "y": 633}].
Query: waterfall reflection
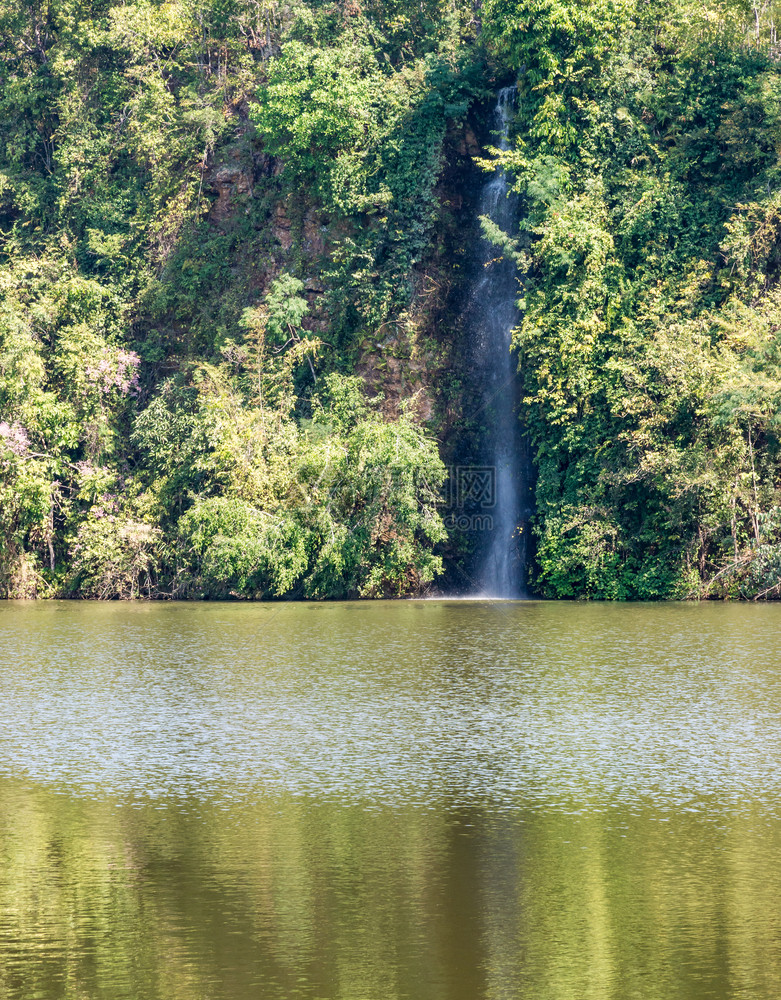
[{"x": 289, "y": 898}]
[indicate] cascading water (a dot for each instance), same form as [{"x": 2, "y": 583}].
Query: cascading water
[{"x": 493, "y": 314}]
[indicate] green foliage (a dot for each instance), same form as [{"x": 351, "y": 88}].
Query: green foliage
[
  {"x": 115, "y": 557},
  {"x": 234, "y": 549},
  {"x": 322, "y": 110},
  {"x": 209, "y": 209},
  {"x": 158, "y": 358},
  {"x": 647, "y": 344},
  {"x": 558, "y": 47},
  {"x": 373, "y": 492},
  {"x": 353, "y": 512},
  {"x": 366, "y": 136}
]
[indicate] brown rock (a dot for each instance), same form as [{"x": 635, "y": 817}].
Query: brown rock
[
  {"x": 313, "y": 234},
  {"x": 229, "y": 182},
  {"x": 281, "y": 227}
]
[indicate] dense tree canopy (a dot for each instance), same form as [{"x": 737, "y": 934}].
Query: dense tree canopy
[
  {"x": 648, "y": 155},
  {"x": 229, "y": 354}
]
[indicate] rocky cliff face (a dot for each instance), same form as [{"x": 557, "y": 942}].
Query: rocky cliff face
[{"x": 416, "y": 358}]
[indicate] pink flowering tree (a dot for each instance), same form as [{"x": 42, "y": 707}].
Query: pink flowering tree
[
  {"x": 13, "y": 438},
  {"x": 116, "y": 370}
]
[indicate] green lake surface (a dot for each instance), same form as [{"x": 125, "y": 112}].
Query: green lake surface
[{"x": 433, "y": 800}]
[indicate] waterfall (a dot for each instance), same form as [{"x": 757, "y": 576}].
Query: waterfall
[{"x": 492, "y": 315}]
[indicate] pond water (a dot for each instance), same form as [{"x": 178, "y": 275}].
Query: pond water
[{"x": 372, "y": 801}]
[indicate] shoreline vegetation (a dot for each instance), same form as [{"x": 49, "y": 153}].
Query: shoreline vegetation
[{"x": 235, "y": 243}]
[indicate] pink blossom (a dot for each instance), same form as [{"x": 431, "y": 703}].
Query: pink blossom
[
  {"x": 107, "y": 507},
  {"x": 14, "y": 438},
  {"x": 115, "y": 370}
]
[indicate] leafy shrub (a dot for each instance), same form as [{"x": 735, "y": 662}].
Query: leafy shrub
[{"x": 115, "y": 556}]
